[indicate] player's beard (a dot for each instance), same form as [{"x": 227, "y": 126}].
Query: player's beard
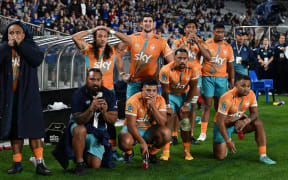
[
  {"x": 94, "y": 90},
  {"x": 218, "y": 39},
  {"x": 147, "y": 31},
  {"x": 182, "y": 66}
]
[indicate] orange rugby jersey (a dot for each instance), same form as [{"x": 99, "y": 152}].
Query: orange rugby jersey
[
  {"x": 106, "y": 66},
  {"x": 178, "y": 81},
  {"x": 221, "y": 54},
  {"x": 16, "y": 69},
  {"x": 193, "y": 50},
  {"x": 135, "y": 106},
  {"x": 235, "y": 107},
  {"x": 145, "y": 54}
]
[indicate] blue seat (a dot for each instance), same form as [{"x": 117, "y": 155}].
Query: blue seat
[{"x": 265, "y": 85}]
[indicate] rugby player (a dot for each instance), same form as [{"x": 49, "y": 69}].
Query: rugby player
[
  {"x": 214, "y": 72},
  {"x": 231, "y": 118},
  {"x": 179, "y": 88},
  {"x": 102, "y": 56},
  {"x": 145, "y": 122},
  {"x": 145, "y": 48}
]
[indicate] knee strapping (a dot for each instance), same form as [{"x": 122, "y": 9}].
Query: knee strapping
[{"x": 185, "y": 124}]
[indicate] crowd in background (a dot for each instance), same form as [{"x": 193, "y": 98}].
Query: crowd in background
[{"x": 72, "y": 16}]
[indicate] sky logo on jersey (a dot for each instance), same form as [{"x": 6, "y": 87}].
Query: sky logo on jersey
[
  {"x": 178, "y": 86},
  {"x": 142, "y": 57},
  {"x": 192, "y": 56},
  {"x": 104, "y": 67},
  {"x": 218, "y": 61}
]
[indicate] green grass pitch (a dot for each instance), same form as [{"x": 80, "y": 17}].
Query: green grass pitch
[{"x": 242, "y": 165}]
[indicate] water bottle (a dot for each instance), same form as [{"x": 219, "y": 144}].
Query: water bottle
[
  {"x": 145, "y": 164},
  {"x": 240, "y": 135}
]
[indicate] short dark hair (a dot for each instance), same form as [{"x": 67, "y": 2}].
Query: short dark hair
[
  {"x": 243, "y": 77},
  {"x": 93, "y": 70},
  {"x": 180, "y": 50},
  {"x": 190, "y": 22},
  {"x": 282, "y": 34},
  {"x": 218, "y": 26},
  {"x": 147, "y": 15},
  {"x": 149, "y": 82}
]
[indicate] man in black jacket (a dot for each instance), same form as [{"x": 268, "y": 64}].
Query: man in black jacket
[
  {"x": 281, "y": 66},
  {"x": 20, "y": 107}
]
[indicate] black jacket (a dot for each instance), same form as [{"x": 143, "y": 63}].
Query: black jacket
[{"x": 30, "y": 123}]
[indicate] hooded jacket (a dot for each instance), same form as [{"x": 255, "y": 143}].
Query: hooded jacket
[{"x": 29, "y": 123}]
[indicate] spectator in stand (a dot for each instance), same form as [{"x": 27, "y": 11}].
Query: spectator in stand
[
  {"x": 265, "y": 57},
  {"x": 47, "y": 20},
  {"x": 75, "y": 7},
  {"x": 83, "y": 7},
  {"x": 281, "y": 66},
  {"x": 36, "y": 20},
  {"x": 43, "y": 8},
  {"x": 9, "y": 6}
]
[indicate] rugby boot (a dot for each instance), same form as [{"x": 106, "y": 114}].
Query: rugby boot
[
  {"x": 117, "y": 156},
  {"x": 42, "y": 170},
  {"x": 165, "y": 156},
  {"x": 80, "y": 169},
  {"x": 16, "y": 168},
  {"x": 267, "y": 160},
  {"x": 174, "y": 140},
  {"x": 202, "y": 137},
  {"x": 188, "y": 156},
  {"x": 153, "y": 159},
  {"x": 194, "y": 141},
  {"x": 128, "y": 157}
]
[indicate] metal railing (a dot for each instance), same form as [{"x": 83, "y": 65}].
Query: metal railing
[
  {"x": 272, "y": 31},
  {"x": 58, "y": 46}
]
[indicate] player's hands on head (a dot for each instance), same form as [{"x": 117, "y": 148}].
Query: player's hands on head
[
  {"x": 102, "y": 27},
  {"x": 127, "y": 77}
]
